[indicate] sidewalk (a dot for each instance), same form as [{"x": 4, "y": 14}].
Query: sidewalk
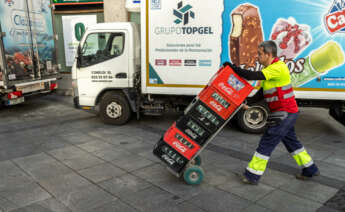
[{"x": 76, "y": 163}]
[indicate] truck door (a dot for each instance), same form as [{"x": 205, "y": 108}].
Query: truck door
[
  {"x": 2, "y": 58},
  {"x": 102, "y": 63}
]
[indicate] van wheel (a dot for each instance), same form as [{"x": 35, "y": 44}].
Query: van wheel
[
  {"x": 254, "y": 119},
  {"x": 114, "y": 109}
]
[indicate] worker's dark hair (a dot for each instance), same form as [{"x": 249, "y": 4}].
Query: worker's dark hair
[{"x": 269, "y": 47}]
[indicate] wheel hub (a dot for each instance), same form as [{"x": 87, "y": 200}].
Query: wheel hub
[
  {"x": 194, "y": 176},
  {"x": 114, "y": 110},
  {"x": 255, "y": 117}
]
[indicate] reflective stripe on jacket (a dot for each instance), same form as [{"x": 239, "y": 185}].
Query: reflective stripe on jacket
[{"x": 278, "y": 91}]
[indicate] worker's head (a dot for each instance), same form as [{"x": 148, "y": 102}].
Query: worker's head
[{"x": 267, "y": 51}]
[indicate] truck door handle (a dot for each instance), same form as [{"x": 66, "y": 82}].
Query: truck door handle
[{"x": 121, "y": 75}]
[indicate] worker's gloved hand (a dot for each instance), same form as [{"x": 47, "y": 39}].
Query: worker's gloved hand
[{"x": 229, "y": 64}]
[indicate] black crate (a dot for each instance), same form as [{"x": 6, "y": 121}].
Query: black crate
[
  {"x": 209, "y": 119},
  {"x": 169, "y": 156},
  {"x": 193, "y": 129}
]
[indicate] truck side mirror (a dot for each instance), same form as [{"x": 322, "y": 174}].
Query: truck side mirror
[{"x": 78, "y": 57}]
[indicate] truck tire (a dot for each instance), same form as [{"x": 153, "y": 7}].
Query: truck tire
[
  {"x": 254, "y": 119},
  {"x": 114, "y": 109}
]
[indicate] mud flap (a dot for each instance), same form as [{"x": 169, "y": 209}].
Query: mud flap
[{"x": 337, "y": 111}]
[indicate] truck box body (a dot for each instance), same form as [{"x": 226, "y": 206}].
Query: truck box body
[
  {"x": 27, "y": 46},
  {"x": 185, "y": 42}
]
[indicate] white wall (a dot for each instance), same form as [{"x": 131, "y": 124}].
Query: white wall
[{"x": 115, "y": 11}]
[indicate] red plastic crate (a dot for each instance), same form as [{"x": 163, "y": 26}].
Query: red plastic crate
[
  {"x": 180, "y": 142},
  {"x": 231, "y": 85},
  {"x": 218, "y": 102}
]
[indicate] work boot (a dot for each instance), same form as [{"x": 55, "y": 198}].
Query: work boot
[
  {"x": 303, "y": 177},
  {"x": 245, "y": 180}
]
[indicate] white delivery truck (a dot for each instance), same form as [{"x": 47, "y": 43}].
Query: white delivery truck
[
  {"x": 182, "y": 43},
  {"x": 26, "y": 50}
]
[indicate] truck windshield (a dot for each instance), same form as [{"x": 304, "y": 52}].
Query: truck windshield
[{"x": 99, "y": 47}]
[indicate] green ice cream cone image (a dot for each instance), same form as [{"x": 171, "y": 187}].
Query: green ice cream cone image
[{"x": 320, "y": 61}]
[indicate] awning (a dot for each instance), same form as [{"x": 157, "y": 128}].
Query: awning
[{"x": 133, "y": 5}]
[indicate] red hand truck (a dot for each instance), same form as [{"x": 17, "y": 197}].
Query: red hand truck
[{"x": 203, "y": 119}]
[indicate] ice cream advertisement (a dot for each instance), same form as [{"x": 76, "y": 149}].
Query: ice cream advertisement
[
  {"x": 310, "y": 36},
  {"x": 191, "y": 39}
]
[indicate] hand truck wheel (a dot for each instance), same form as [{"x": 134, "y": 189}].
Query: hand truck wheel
[{"x": 193, "y": 175}]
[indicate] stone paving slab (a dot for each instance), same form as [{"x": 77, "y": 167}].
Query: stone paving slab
[
  {"x": 77, "y": 138},
  {"x": 24, "y": 194},
  {"x": 224, "y": 162},
  {"x": 116, "y": 205},
  {"x": 42, "y": 166},
  {"x": 101, "y": 172},
  {"x": 283, "y": 201},
  {"x": 124, "y": 185},
  {"x": 48, "y": 205},
  {"x": 111, "y": 154},
  {"x": 154, "y": 173},
  {"x": 131, "y": 162},
  {"x": 86, "y": 198},
  {"x": 95, "y": 145},
  {"x": 82, "y": 161},
  {"x": 62, "y": 185},
  {"x": 256, "y": 208},
  {"x": 12, "y": 175},
  {"x": 309, "y": 190},
  {"x": 320, "y": 152},
  {"x": 7, "y": 205},
  {"x": 67, "y": 153},
  {"x": 217, "y": 200},
  {"x": 249, "y": 192},
  {"x": 148, "y": 199},
  {"x": 217, "y": 176},
  {"x": 275, "y": 178},
  {"x": 337, "y": 158},
  {"x": 331, "y": 170}
]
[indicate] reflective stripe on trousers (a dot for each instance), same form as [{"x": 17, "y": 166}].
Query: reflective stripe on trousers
[
  {"x": 302, "y": 158},
  {"x": 258, "y": 164},
  {"x": 284, "y": 132}
]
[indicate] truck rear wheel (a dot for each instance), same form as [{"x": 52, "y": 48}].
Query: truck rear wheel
[
  {"x": 114, "y": 108},
  {"x": 254, "y": 119}
]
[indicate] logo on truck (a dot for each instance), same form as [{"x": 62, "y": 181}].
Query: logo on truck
[
  {"x": 183, "y": 13},
  {"x": 335, "y": 19}
]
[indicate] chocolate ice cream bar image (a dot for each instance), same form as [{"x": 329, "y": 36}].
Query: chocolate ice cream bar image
[{"x": 245, "y": 36}]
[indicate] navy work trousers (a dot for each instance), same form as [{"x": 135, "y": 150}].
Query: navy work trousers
[{"x": 285, "y": 132}]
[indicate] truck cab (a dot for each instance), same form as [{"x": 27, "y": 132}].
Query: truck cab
[{"x": 107, "y": 58}]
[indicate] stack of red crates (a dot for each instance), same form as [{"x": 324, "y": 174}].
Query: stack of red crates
[{"x": 203, "y": 119}]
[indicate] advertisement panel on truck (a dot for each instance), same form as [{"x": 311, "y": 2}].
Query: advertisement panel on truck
[
  {"x": 27, "y": 34},
  {"x": 193, "y": 39}
]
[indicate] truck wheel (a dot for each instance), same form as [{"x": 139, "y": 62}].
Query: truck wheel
[
  {"x": 114, "y": 109},
  {"x": 254, "y": 119}
]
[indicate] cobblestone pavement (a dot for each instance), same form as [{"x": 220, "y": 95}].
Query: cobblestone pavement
[{"x": 57, "y": 158}]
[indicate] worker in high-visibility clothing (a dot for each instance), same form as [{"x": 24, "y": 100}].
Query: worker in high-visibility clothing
[{"x": 278, "y": 93}]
